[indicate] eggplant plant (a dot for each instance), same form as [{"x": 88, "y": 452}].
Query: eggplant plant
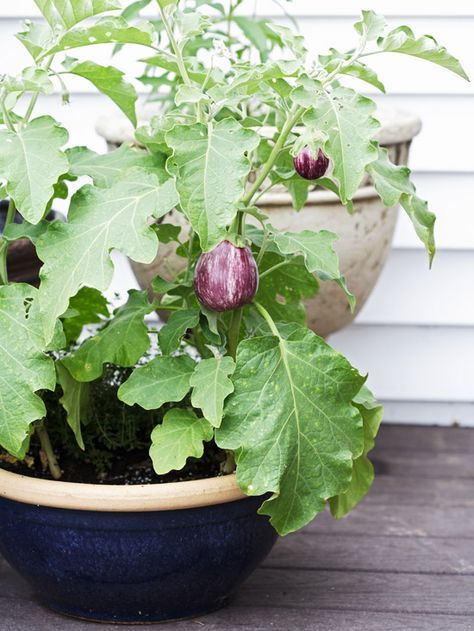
[{"x": 234, "y": 365}]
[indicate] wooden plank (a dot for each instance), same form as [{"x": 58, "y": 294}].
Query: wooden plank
[
  {"x": 434, "y": 440},
  {"x": 404, "y": 520},
  {"x": 359, "y": 591},
  {"x": 377, "y": 553}
]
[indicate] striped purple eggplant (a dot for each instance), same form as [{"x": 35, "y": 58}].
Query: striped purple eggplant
[
  {"x": 309, "y": 167},
  {"x": 226, "y": 278}
]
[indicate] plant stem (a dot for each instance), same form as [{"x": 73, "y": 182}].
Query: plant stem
[
  {"x": 179, "y": 58},
  {"x": 48, "y": 451},
  {"x": 4, "y": 244},
  {"x": 272, "y": 269},
  {"x": 293, "y": 118},
  {"x": 35, "y": 96},
  {"x": 264, "y": 313},
  {"x": 234, "y": 332}
]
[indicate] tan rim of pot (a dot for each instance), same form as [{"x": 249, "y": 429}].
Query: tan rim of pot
[{"x": 115, "y": 498}]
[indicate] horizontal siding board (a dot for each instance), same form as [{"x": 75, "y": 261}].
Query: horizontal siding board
[
  {"x": 429, "y": 413},
  {"x": 408, "y": 292},
  {"x": 412, "y": 362},
  {"x": 343, "y": 8}
]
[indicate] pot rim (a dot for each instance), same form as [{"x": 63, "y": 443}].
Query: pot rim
[
  {"x": 120, "y": 498},
  {"x": 283, "y": 198}
]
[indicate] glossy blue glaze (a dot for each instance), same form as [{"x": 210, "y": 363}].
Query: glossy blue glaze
[{"x": 135, "y": 567}]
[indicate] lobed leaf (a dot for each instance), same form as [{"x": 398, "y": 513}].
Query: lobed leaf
[
  {"x": 88, "y": 306},
  {"x": 171, "y": 333},
  {"x": 179, "y": 437},
  {"x": 203, "y": 158},
  {"x": 346, "y": 117},
  {"x": 30, "y": 173},
  {"x": 25, "y": 367},
  {"x": 292, "y": 425},
  {"x": 163, "y": 380},
  {"x": 211, "y": 386},
  {"x": 77, "y": 253},
  {"x": 122, "y": 341}
]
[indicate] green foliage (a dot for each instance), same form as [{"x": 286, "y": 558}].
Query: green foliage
[
  {"x": 204, "y": 158},
  {"x": 236, "y": 100},
  {"x": 121, "y": 342},
  {"x": 292, "y": 424},
  {"x": 25, "y": 367},
  {"x": 30, "y": 174},
  {"x": 179, "y": 437}
]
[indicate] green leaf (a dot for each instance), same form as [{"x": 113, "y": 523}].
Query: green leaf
[
  {"x": 107, "y": 168},
  {"x": 66, "y": 13},
  {"x": 281, "y": 290},
  {"x": 295, "y": 43},
  {"x": 346, "y": 117},
  {"x": 189, "y": 24},
  {"x": 319, "y": 255},
  {"x": 25, "y": 367},
  {"x": 32, "y": 79},
  {"x": 122, "y": 341},
  {"x": 110, "y": 82},
  {"x": 163, "y": 380},
  {"x": 371, "y": 26},
  {"x": 88, "y": 306},
  {"x": 189, "y": 94},
  {"x": 364, "y": 73},
  {"x": 167, "y": 232},
  {"x": 30, "y": 172},
  {"x": 36, "y": 38},
  {"x": 105, "y": 31},
  {"x": 205, "y": 157},
  {"x": 363, "y": 471},
  {"x": 179, "y": 437},
  {"x": 77, "y": 253},
  {"x": 291, "y": 423},
  {"x": 178, "y": 323},
  {"x": 402, "y": 40},
  {"x": 394, "y": 186},
  {"x": 75, "y": 401},
  {"x": 211, "y": 386},
  {"x": 256, "y": 32}
]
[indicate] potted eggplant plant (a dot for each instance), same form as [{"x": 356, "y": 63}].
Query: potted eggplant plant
[
  {"x": 146, "y": 472},
  {"x": 365, "y": 235}
]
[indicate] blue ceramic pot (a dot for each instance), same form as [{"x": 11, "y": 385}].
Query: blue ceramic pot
[{"x": 135, "y": 566}]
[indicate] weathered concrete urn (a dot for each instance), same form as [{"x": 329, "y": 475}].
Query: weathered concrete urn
[{"x": 365, "y": 237}]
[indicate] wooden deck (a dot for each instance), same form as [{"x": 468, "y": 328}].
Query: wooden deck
[{"x": 403, "y": 561}]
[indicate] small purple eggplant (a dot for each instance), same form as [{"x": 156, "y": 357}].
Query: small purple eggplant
[
  {"x": 308, "y": 167},
  {"x": 226, "y": 278}
]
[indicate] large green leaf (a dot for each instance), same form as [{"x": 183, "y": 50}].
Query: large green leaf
[
  {"x": 122, "y": 341},
  {"x": 179, "y": 437},
  {"x": 211, "y": 167},
  {"x": 292, "y": 425},
  {"x": 178, "y": 323},
  {"x": 25, "y": 367},
  {"x": 31, "y": 173},
  {"x": 318, "y": 253},
  {"x": 163, "y": 380},
  {"x": 363, "y": 471},
  {"x": 75, "y": 401},
  {"x": 346, "y": 117},
  {"x": 109, "y": 81},
  {"x": 77, "y": 253},
  {"x": 32, "y": 79},
  {"x": 371, "y": 26},
  {"x": 106, "y": 168},
  {"x": 66, "y": 13},
  {"x": 211, "y": 386},
  {"x": 403, "y": 40},
  {"x": 105, "y": 31},
  {"x": 88, "y": 306},
  {"x": 394, "y": 186}
]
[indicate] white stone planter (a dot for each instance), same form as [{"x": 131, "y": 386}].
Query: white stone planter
[{"x": 365, "y": 236}]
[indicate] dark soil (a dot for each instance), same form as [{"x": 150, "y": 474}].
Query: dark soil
[{"x": 126, "y": 468}]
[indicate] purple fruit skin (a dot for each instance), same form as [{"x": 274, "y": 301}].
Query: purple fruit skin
[
  {"x": 226, "y": 278},
  {"x": 308, "y": 167}
]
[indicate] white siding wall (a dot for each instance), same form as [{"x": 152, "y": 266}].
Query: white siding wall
[{"x": 415, "y": 336}]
